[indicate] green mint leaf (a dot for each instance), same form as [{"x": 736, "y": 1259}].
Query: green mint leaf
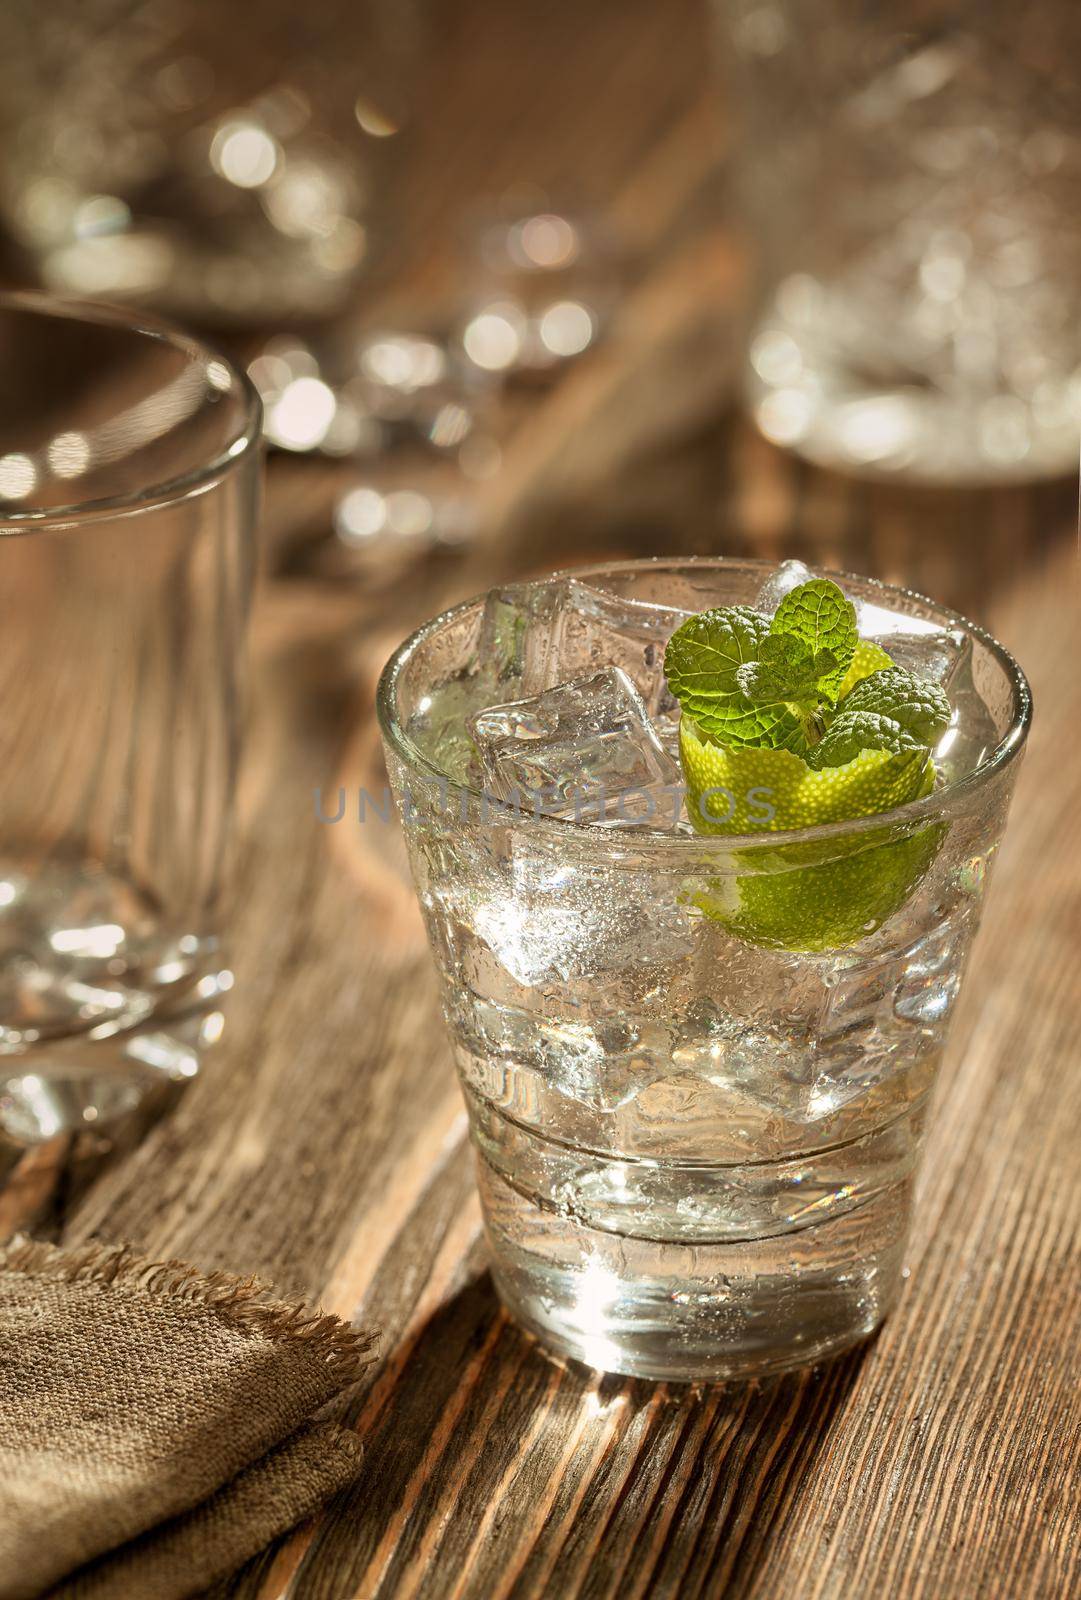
[
  {"x": 787, "y": 670},
  {"x": 854, "y": 731},
  {"x": 818, "y": 614},
  {"x": 920, "y": 707},
  {"x": 701, "y": 664}
]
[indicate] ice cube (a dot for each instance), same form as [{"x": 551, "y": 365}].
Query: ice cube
[
  {"x": 577, "y": 629},
  {"x": 562, "y": 938},
  {"x": 586, "y": 748},
  {"x": 973, "y": 733},
  {"x": 789, "y": 576},
  {"x": 915, "y": 643},
  {"x": 943, "y": 656},
  {"x": 510, "y": 616}
]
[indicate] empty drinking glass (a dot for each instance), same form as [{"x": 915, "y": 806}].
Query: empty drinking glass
[{"x": 129, "y": 472}]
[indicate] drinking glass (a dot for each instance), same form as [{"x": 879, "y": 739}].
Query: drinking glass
[
  {"x": 129, "y": 472},
  {"x": 910, "y": 179},
  {"x": 696, "y": 1134}
]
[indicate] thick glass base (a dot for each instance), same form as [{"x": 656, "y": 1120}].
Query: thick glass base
[
  {"x": 102, "y": 997},
  {"x": 78, "y": 1082},
  {"x": 698, "y": 1310},
  {"x": 857, "y": 392}
]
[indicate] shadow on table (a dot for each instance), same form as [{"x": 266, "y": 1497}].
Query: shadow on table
[
  {"x": 484, "y": 1457},
  {"x": 41, "y": 1184}
]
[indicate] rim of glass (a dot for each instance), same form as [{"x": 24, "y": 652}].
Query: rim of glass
[
  {"x": 238, "y": 449},
  {"x": 1007, "y": 749}
]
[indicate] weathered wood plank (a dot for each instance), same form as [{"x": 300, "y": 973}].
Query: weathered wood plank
[
  {"x": 325, "y": 1145},
  {"x": 904, "y": 1466}
]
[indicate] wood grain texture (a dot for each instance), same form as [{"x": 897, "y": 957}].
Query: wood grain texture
[{"x": 325, "y": 1145}]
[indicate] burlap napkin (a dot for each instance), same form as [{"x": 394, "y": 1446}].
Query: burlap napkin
[{"x": 155, "y": 1423}]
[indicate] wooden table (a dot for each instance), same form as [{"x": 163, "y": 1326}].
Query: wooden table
[{"x": 325, "y": 1145}]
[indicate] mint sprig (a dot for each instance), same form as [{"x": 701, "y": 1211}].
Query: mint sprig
[
  {"x": 747, "y": 681},
  {"x": 855, "y": 731},
  {"x": 820, "y": 616},
  {"x": 786, "y": 670},
  {"x": 919, "y": 706},
  {"x": 702, "y": 664}
]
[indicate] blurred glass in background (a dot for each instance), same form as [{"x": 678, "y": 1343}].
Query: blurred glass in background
[
  {"x": 224, "y": 163},
  {"x": 542, "y": 285},
  {"x": 911, "y": 176},
  {"x": 425, "y": 407},
  {"x": 239, "y": 168}
]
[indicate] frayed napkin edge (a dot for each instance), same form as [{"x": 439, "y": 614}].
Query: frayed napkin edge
[{"x": 246, "y": 1303}]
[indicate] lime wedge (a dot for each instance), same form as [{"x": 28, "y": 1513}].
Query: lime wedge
[
  {"x": 868, "y": 658},
  {"x": 818, "y": 895}
]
